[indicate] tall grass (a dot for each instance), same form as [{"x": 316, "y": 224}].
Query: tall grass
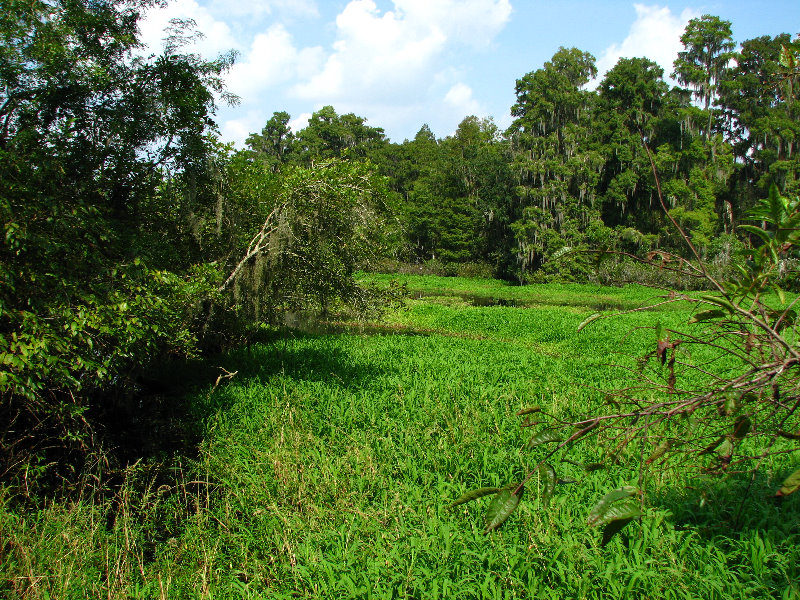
[{"x": 328, "y": 463}]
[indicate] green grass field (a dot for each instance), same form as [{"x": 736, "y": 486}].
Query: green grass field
[{"x": 328, "y": 462}]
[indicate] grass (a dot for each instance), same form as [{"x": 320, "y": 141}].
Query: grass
[{"x": 328, "y": 463}]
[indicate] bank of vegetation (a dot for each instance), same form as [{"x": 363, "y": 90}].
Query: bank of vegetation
[{"x": 164, "y": 433}]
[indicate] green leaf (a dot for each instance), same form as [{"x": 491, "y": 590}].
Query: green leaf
[
  {"x": 726, "y": 449},
  {"x": 787, "y": 58},
  {"x": 613, "y": 529},
  {"x": 584, "y": 428},
  {"x": 617, "y": 518},
  {"x": 730, "y": 405},
  {"x": 623, "y": 510},
  {"x": 790, "y": 485},
  {"x": 707, "y": 315},
  {"x": 588, "y": 320},
  {"x": 764, "y": 235},
  {"x": 719, "y": 302},
  {"x": 596, "y": 515},
  {"x": 501, "y": 508},
  {"x": 549, "y": 479},
  {"x": 547, "y": 436},
  {"x": 660, "y": 331},
  {"x": 778, "y": 289},
  {"x": 712, "y": 446},
  {"x": 475, "y": 494}
]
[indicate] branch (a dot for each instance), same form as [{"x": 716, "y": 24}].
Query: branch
[{"x": 257, "y": 245}]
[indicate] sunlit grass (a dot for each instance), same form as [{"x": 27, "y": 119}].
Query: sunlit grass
[{"x": 328, "y": 463}]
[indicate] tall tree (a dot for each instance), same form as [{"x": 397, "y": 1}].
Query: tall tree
[
  {"x": 629, "y": 106},
  {"x": 557, "y": 166},
  {"x": 707, "y": 50},
  {"x": 274, "y": 144},
  {"x": 329, "y": 135},
  {"x": 88, "y": 132},
  {"x": 761, "y": 104}
]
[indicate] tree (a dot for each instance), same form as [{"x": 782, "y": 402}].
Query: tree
[
  {"x": 303, "y": 235},
  {"x": 274, "y": 143},
  {"x": 456, "y": 194},
  {"x": 707, "y": 50},
  {"x": 760, "y": 100},
  {"x": 631, "y": 97},
  {"x": 558, "y": 165},
  {"x": 84, "y": 302},
  {"x": 329, "y": 135}
]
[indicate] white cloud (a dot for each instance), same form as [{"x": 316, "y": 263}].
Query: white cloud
[
  {"x": 473, "y": 22},
  {"x": 238, "y": 129},
  {"x": 386, "y": 65},
  {"x": 301, "y": 122},
  {"x": 284, "y": 8},
  {"x": 379, "y": 55},
  {"x": 393, "y": 56},
  {"x": 459, "y": 98},
  {"x": 271, "y": 59},
  {"x": 217, "y": 36},
  {"x": 655, "y": 34}
]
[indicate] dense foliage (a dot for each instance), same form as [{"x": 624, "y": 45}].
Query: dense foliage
[
  {"x": 571, "y": 171},
  {"x": 328, "y": 463},
  {"x": 719, "y": 398},
  {"x": 128, "y": 230},
  {"x": 133, "y": 239}
]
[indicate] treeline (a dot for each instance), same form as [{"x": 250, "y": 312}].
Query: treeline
[{"x": 572, "y": 171}]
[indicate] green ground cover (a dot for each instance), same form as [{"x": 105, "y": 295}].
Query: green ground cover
[{"x": 328, "y": 462}]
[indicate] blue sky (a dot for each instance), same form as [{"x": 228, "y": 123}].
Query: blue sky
[{"x": 402, "y": 63}]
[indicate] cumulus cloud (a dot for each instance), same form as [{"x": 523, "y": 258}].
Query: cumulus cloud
[
  {"x": 272, "y": 58},
  {"x": 459, "y": 98},
  {"x": 238, "y": 129},
  {"x": 386, "y": 65},
  {"x": 473, "y": 22},
  {"x": 269, "y": 59},
  {"x": 655, "y": 34},
  {"x": 393, "y": 55},
  {"x": 217, "y": 36},
  {"x": 300, "y": 122}
]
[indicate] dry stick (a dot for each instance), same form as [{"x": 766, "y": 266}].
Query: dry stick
[
  {"x": 761, "y": 324},
  {"x": 675, "y": 223},
  {"x": 255, "y": 247}
]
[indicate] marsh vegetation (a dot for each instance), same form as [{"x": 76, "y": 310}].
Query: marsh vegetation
[{"x": 325, "y": 468}]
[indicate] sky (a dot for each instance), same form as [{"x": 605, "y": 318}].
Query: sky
[{"x": 404, "y": 63}]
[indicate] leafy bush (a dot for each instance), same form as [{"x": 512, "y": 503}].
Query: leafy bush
[{"x": 85, "y": 300}]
